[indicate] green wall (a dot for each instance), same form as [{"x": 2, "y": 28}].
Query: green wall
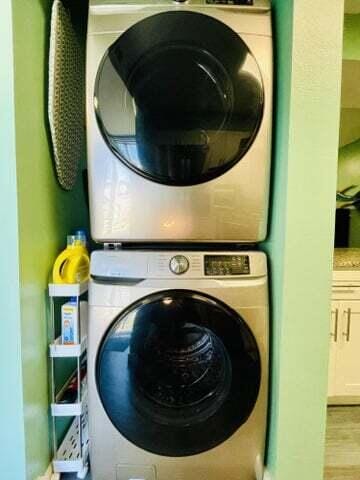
[
  {"x": 12, "y": 455},
  {"x": 283, "y": 33},
  {"x": 46, "y": 215},
  {"x": 302, "y": 229},
  {"x": 349, "y": 161},
  {"x": 349, "y": 126},
  {"x": 349, "y": 142},
  {"x": 351, "y": 47},
  {"x": 348, "y": 175}
]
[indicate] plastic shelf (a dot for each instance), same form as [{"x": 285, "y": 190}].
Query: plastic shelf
[
  {"x": 67, "y": 409},
  {"x": 67, "y": 289},
  {"x": 71, "y": 456},
  {"x": 70, "y": 409},
  {"x": 58, "y": 350}
]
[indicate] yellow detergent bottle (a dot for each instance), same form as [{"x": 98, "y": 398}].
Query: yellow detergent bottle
[{"x": 73, "y": 264}]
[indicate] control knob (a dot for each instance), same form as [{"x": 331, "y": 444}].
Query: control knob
[{"x": 179, "y": 264}]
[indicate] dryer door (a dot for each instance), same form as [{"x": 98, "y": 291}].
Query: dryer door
[
  {"x": 178, "y": 373},
  {"x": 179, "y": 98}
]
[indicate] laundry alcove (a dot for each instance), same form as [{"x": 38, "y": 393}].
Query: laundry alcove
[{"x": 36, "y": 215}]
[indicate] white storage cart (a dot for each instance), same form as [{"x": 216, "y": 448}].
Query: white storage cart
[{"x": 72, "y": 454}]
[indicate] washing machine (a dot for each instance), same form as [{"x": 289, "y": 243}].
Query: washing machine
[
  {"x": 179, "y": 115},
  {"x": 178, "y": 365}
]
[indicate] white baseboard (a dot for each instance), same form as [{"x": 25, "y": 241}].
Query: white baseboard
[
  {"x": 49, "y": 474},
  {"x": 266, "y": 475}
]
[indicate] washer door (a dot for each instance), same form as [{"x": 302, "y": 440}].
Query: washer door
[
  {"x": 178, "y": 373},
  {"x": 179, "y": 98}
]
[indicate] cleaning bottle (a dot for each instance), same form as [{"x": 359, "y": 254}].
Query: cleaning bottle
[{"x": 73, "y": 264}]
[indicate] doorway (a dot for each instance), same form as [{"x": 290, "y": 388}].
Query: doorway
[{"x": 342, "y": 457}]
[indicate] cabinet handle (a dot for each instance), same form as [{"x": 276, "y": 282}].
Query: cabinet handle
[
  {"x": 335, "y": 334},
  {"x": 347, "y": 333}
]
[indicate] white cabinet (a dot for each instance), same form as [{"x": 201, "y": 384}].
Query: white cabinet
[
  {"x": 344, "y": 364},
  {"x": 348, "y": 348}
]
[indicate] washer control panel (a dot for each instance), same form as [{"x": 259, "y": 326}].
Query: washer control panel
[
  {"x": 226, "y": 265},
  {"x": 231, "y": 2},
  {"x": 179, "y": 264}
]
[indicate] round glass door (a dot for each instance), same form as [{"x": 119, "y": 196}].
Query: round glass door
[
  {"x": 179, "y": 98},
  {"x": 178, "y": 373}
]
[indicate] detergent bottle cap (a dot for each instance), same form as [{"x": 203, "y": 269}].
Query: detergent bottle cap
[
  {"x": 71, "y": 240},
  {"x": 81, "y": 237}
]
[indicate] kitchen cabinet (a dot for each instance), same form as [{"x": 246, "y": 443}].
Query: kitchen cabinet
[{"x": 344, "y": 363}]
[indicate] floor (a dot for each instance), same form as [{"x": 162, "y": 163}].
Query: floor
[{"x": 342, "y": 458}]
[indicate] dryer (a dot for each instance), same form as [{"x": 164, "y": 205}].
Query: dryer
[
  {"x": 179, "y": 115},
  {"x": 178, "y": 365}
]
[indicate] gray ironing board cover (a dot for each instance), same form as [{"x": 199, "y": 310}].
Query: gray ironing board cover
[{"x": 66, "y": 97}]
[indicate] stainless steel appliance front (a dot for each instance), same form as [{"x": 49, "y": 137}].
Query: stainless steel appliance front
[
  {"x": 178, "y": 366},
  {"x": 179, "y": 106}
]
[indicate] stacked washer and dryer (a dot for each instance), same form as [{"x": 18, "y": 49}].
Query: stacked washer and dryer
[{"x": 179, "y": 107}]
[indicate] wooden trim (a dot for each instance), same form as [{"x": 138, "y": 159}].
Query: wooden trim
[{"x": 345, "y": 400}]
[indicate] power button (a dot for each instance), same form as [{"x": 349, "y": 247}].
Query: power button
[{"x": 179, "y": 264}]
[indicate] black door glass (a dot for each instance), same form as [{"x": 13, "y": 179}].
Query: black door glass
[
  {"x": 179, "y": 98},
  {"x": 178, "y": 373}
]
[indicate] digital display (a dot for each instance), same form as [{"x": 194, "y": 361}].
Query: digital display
[{"x": 221, "y": 265}]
